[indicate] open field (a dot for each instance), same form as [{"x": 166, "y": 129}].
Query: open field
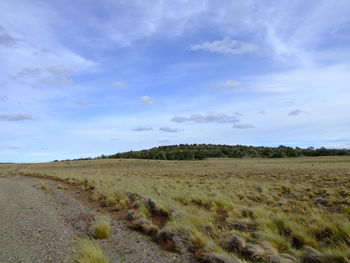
[{"x": 237, "y": 210}]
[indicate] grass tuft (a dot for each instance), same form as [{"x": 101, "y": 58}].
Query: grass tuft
[
  {"x": 102, "y": 228},
  {"x": 90, "y": 252},
  {"x": 43, "y": 186}
]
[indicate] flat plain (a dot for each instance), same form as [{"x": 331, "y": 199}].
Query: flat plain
[{"x": 223, "y": 210}]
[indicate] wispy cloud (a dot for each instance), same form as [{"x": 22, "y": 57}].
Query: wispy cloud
[
  {"x": 168, "y": 129},
  {"x": 6, "y": 40},
  {"x": 226, "y": 46},
  {"x": 229, "y": 85},
  {"x": 143, "y": 128},
  {"x": 272, "y": 88},
  {"x": 59, "y": 71},
  {"x": 120, "y": 84},
  {"x": 295, "y": 112},
  {"x": 82, "y": 103},
  {"x": 57, "y": 81},
  {"x": 29, "y": 72},
  {"x": 211, "y": 117},
  {"x": 243, "y": 126},
  {"x": 15, "y": 147},
  {"x": 236, "y": 86},
  {"x": 147, "y": 101},
  {"x": 15, "y": 117}
]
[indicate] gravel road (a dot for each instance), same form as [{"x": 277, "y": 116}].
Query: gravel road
[
  {"x": 31, "y": 226},
  {"x": 38, "y": 225}
]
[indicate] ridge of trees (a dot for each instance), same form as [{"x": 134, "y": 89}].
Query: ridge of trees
[{"x": 204, "y": 151}]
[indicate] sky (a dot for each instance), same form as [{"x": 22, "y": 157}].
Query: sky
[{"x": 89, "y": 77}]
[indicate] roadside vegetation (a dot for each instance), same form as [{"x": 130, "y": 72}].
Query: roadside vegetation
[
  {"x": 102, "y": 227},
  {"x": 43, "y": 186},
  {"x": 6, "y": 168},
  {"x": 226, "y": 210},
  {"x": 89, "y": 251}
]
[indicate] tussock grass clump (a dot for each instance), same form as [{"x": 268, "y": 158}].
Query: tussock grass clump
[
  {"x": 102, "y": 227},
  {"x": 43, "y": 186},
  {"x": 96, "y": 196},
  {"x": 215, "y": 257},
  {"x": 123, "y": 203},
  {"x": 233, "y": 243},
  {"x": 109, "y": 200},
  {"x": 199, "y": 240},
  {"x": 145, "y": 226},
  {"x": 90, "y": 252},
  {"x": 62, "y": 187}
]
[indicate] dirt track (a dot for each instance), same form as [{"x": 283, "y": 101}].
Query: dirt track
[
  {"x": 38, "y": 225},
  {"x": 32, "y": 227}
]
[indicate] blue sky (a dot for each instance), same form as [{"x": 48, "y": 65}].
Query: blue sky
[{"x": 84, "y": 78}]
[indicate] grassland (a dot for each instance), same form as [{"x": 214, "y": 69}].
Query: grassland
[{"x": 248, "y": 210}]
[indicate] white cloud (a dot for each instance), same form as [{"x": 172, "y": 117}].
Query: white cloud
[
  {"x": 29, "y": 72},
  {"x": 243, "y": 126},
  {"x": 236, "y": 86},
  {"x": 226, "y": 46},
  {"x": 82, "y": 103},
  {"x": 59, "y": 71},
  {"x": 168, "y": 129},
  {"x": 295, "y": 112},
  {"x": 15, "y": 147},
  {"x": 296, "y": 30},
  {"x": 15, "y": 117},
  {"x": 57, "y": 81},
  {"x": 5, "y": 39},
  {"x": 147, "y": 101},
  {"x": 39, "y": 52},
  {"x": 229, "y": 85},
  {"x": 120, "y": 84},
  {"x": 143, "y": 128},
  {"x": 159, "y": 17},
  {"x": 272, "y": 88},
  {"x": 211, "y": 117}
]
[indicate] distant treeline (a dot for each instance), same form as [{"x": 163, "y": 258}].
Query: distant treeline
[{"x": 203, "y": 151}]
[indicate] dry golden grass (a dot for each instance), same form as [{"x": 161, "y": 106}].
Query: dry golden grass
[
  {"x": 7, "y": 168},
  {"x": 102, "y": 227},
  {"x": 90, "y": 252},
  {"x": 283, "y": 204},
  {"x": 43, "y": 186}
]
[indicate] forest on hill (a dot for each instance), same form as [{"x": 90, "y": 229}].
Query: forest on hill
[{"x": 204, "y": 151}]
